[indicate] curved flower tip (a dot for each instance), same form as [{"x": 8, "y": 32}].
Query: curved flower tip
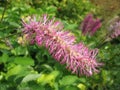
[
  {"x": 83, "y": 61},
  {"x": 62, "y": 45},
  {"x": 90, "y": 25}
]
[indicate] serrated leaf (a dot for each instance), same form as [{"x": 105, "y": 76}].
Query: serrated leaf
[
  {"x": 68, "y": 80},
  {"x": 24, "y": 61}
]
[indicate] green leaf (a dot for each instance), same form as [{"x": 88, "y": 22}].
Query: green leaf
[
  {"x": 83, "y": 80},
  {"x": 51, "y": 9},
  {"x": 68, "y": 80},
  {"x": 71, "y": 88},
  {"x": 24, "y": 61},
  {"x": 48, "y": 78},
  {"x": 105, "y": 76},
  {"x": 3, "y": 86},
  {"x": 14, "y": 24},
  {"x": 30, "y": 86},
  {"x": 4, "y": 46},
  {"x": 20, "y": 50},
  {"x": 14, "y": 71},
  {"x": 30, "y": 77},
  {"x": 1, "y": 34},
  {"x": 81, "y": 86},
  {"x": 4, "y": 58},
  {"x": 48, "y": 67}
]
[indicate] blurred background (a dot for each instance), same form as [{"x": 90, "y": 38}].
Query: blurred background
[{"x": 29, "y": 67}]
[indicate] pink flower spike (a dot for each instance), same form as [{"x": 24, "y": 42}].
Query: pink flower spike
[
  {"x": 90, "y": 25},
  {"x": 62, "y": 45},
  {"x": 114, "y": 28}
]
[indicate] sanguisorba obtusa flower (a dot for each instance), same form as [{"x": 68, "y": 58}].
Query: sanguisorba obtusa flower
[
  {"x": 61, "y": 45},
  {"x": 114, "y": 27},
  {"x": 90, "y": 25}
]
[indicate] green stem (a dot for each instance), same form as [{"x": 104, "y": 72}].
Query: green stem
[
  {"x": 104, "y": 40},
  {"x": 5, "y": 8}
]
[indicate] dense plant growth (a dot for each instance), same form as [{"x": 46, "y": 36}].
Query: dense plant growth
[{"x": 58, "y": 45}]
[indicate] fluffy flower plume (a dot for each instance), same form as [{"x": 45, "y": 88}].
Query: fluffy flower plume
[
  {"x": 90, "y": 25},
  {"x": 114, "y": 27},
  {"x": 61, "y": 45}
]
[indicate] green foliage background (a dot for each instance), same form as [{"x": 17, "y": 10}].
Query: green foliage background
[{"x": 25, "y": 67}]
